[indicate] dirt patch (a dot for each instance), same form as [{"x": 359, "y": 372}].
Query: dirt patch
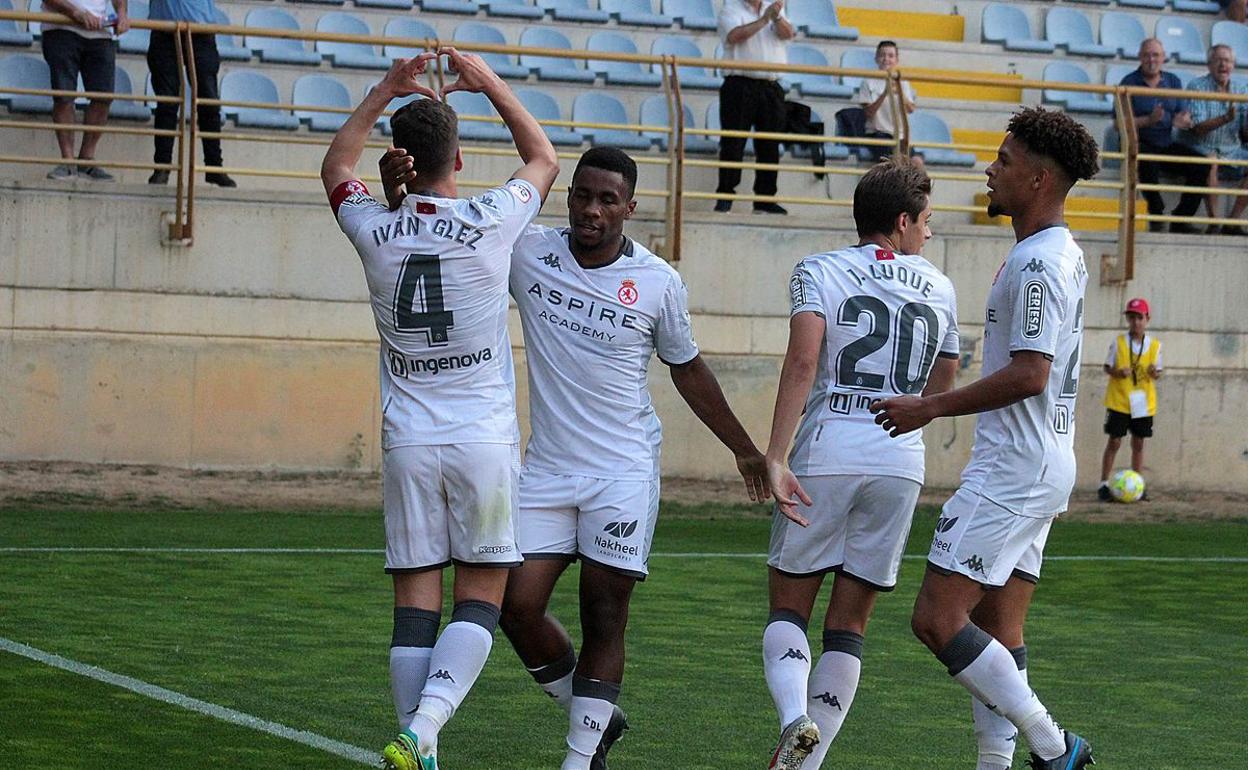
[{"x": 80, "y": 485}]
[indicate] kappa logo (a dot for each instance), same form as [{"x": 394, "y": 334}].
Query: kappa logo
[
  {"x": 829, "y": 700},
  {"x": 1033, "y": 309},
  {"x": 628, "y": 292},
  {"x": 795, "y": 654},
  {"x": 621, "y": 529},
  {"x": 443, "y": 674},
  {"x": 1034, "y": 266},
  {"x": 552, "y": 260},
  {"x": 946, "y": 524},
  {"x": 975, "y": 564}
]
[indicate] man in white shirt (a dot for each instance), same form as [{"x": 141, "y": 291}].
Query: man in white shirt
[
  {"x": 873, "y": 95},
  {"x": 868, "y": 321},
  {"x": 437, "y": 276},
  {"x": 751, "y": 99},
  {"x": 992, "y": 532}
]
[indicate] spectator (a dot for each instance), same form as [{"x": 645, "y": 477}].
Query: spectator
[
  {"x": 1217, "y": 126},
  {"x": 162, "y": 60},
  {"x": 1133, "y": 366},
  {"x": 753, "y": 31},
  {"x": 1235, "y": 10},
  {"x": 873, "y": 96},
  {"x": 1155, "y": 117},
  {"x": 85, "y": 48}
]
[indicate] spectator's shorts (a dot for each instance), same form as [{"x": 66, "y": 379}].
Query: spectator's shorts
[
  {"x": 69, "y": 55},
  {"x": 1232, "y": 173},
  {"x": 1118, "y": 423}
]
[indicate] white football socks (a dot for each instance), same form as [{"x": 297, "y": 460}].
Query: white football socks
[
  {"x": 555, "y": 678},
  {"x": 458, "y": 657},
  {"x": 786, "y": 663},
  {"x": 415, "y": 632},
  {"x": 996, "y": 735},
  {"x": 833, "y": 684},
  {"x": 593, "y": 703}
]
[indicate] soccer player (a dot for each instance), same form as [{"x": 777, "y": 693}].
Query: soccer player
[
  {"x": 991, "y": 533},
  {"x": 437, "y": 277},
  {"x": 871, "y": 320}
]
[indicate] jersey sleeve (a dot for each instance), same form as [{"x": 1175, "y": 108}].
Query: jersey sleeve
[
  {"x": 951, "y": 346},
  {"x": 515, "y": 204},
  {"x": 1039, "y": 297},
  {"x": 673, "y": 331},
  {"x": 804, "y": 295},
  {"x": 354, "y": 207}
]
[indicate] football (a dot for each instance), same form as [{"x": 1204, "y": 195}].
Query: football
[{"x": 1126, "y": 486}]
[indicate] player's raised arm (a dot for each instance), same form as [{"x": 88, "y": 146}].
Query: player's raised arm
[{"x": 541, "y": 164}]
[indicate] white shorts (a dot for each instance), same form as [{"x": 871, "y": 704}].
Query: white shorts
[
  {"x": 977, "y": 538},
  {"x": 607, "y": 522},
  {"x": 450, "y": 503},
  {"x": 858, "y": 528}
]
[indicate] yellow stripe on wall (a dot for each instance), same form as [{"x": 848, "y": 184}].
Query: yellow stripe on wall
[
  {"x": 985, "y": 138},
  {"x": 903, "y": 25},
  {"x": 1074, "y": 205},
  {"x": 977, "y": 92}
]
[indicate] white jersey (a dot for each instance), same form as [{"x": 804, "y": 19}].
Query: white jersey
[
  {"x": 437, "y": 280},
  {"x": 1024, "y": 454},
  {"x": 888, "y": 317},
  {"x": 589, "y": 335}
]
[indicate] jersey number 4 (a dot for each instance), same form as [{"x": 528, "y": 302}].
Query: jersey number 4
[
  {"x": 909, "y": 317},
  {"x": 418, "y": 302}
]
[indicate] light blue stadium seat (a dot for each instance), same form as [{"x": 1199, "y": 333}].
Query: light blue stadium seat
[
  {"x": 318, "y": 2},
  {"x": 406, "y": 27},
  {"x": 573, "y": 10},
  {"x": 1073, "y": 101},
  {"x": 125, "y": 109},
  {"x": 817, "y": 18},
  {"x": 1123, "y": 32},
  {"x": 9, "y": 33},
  {"x": 637, "y": 13},
  {"x": 858, "y": 59},
  {"x": 1181, "y": 39},
  {"x": 544, "y": 108},
  {"x": 1068, "y": 28},
  {"x": 226, "y": 47},
  {"x": 25, "y": 71},
  {"x": 1114, "y": 73},
  {"x": 1196, "y": 6},
  {"x": 597, "y": 107},
  {"x": 690, "y": 76},
  {"x": 469, "y": 7},
  {"x": 692, "y": 14},
  {"x": 1094, "y": 2},
  {"x": 503, "y": 64},
  {"x": 930, "y": 127},
  {"x": 810, "y": 84},
  {"x": 1111, "y": 142},
  {"x": 619, "y": 72},
  {"x": 551, "y": 67},
  {"x": 513, "y": 9},
  {"x": 1152, "y": 4},
  {"x": 350, "y": 55},
  {"x": 321, "y": 91},
  {"x": 398, "y": 5},
  {"x": 1008, "y": 26},
  {"x": 135, "y": 40},
  {"x": 654, "y": 113},
  {"x": 477, "y": 105},
  {"x": 1235, "y": 35},
  {"x": 274, "y": 49},
  {"x": 251, "y": 86}
]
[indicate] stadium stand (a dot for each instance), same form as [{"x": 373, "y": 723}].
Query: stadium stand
[
  {"x": 858, "y": 59},
  {"x": 619, "y": 72},
  {"x": 636, "y": 13},
  {"x": 552, "y": 67},
  {"x": 818, "y": 19},
  {"x": 930, "y": 127},
  {"x": 1181, "y": 39},
  {"x": 1235, "y": 35},
  {"x": 277, "y": 49},
  {"x": 1123, "y": 32},
  {"x": 397, "y": 5},
  {"x": 321, "y": 91},
  {"x": 543, "y": 106},
  {"x": 513, "y": 9},
  {"x": 573, "y": 10},
  {"x": 597, "y": 107},
  {"x": 1008, "y": 26},
  {"x": 478, "y": 32},
  {"x": 124, "y": 109},
  {"x": 227, "y": 49},
  {"x": 810, "y": 84},
  {"x": 477, "y": 105},
  {"x": 1073, "y": 101},
  {"x": 135, "y": 40},
  {"x": 468, "y": 7},
  {"x": 353, "y": 55},
  {"x": 24, "y": 71},
  {"x": 9, "y": 33},
  {"x": 692, "y": 14},
  {"x": 691, "y": 76},
  {"x": 409, "y": 28},
  {"x": 251, "y": 86},
  {"x": 1069, "y": 29}
]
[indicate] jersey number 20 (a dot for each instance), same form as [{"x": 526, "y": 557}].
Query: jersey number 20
[
  {"x": 420, "y": 283},
  {"x": 908, "y": 318}
]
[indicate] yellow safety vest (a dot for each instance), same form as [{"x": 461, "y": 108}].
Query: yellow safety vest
[{"x": 1118, "y": 394}]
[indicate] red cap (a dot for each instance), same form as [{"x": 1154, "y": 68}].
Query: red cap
[{"x": 1137, "y": 305}]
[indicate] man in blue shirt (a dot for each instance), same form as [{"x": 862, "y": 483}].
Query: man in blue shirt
[
  {"x": 162, "y": 60},
  {"x": 1155, "y": 117}
]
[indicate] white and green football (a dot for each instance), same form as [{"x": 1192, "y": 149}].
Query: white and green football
[{"x": 1126, "y": 486}]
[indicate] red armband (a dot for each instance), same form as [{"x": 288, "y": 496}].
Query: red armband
[{"x": 345, "y": 192}]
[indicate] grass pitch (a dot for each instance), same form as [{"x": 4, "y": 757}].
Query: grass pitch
[{"x": 1145, "y": 653}]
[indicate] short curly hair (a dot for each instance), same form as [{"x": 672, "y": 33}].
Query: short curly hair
[{"x": 1058, "y": 137}]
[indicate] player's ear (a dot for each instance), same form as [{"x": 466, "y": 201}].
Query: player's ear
[
  {"x": 630, "y": 208},
  {"x": 459, "y": 160}
]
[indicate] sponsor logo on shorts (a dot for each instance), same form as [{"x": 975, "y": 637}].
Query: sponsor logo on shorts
[
  {"x": 621, "y": 529},
  {"x": 829, "y": 700},
  {"x": 494, "y": 549},
  {"x": 795, "y": 654},
  {"x": 946, "y": 523},
  {"x": 975, "y": 564},
  {"x": 1033, "y": 309}
]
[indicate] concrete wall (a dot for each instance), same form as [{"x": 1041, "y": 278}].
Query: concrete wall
[{"x": 255, "y": 347}]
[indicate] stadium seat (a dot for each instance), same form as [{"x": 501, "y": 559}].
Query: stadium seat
[
  {"x": 551, "y": 67},
  {"x": 1073, "y": 101},
  {"x": 636, "y": 13},
  {"x": 1152, "y": 4},
  {"x": 319, "y": 2},
  {"x": 1094, "y": 2},
  {"x": 629, "y": 73},
  {"x": 1196, "y": 6},
  {"x": 9, "y": 33},
  {"x": 413, "y": 29},
  {"x": 503, "y": 64},
  {"x": 477, "y": 105},
  {"x": 469, "y": 7},
  {"x": 809, "y": 84},
  {"x": 135, "y": 40},
  {"x": 398, "y": 5},
  {"x": 573, "y": 10},
  {"x": 25, "y": 71},
  {"x": 1068, "y": 28},
  {"x": 226, "y": 47},
  {"x": 654, "y": 113},
  {"x": 251, "y": 86},
  {"x": 1122, "y": 31},
  {"x": 692, "y": 14},
  {"x": 514, "y": 9},
  {"x": 929, "y": 127},
  {"x": 544, "y": 108},
  {"x": 597, "y": 107},
  {"x": 124, "y": 109},
  {"x": 1114, "y": 73},
  {"x": 690, "y": 75},
  {"x": 1234, "y": 34},
  {"x": 1111, "y": 142},
  {"x": 817, "y": 18},
  {"x": 1181, "y": 39},
  {"x": 713, "y": 124},
  {"x": 350, "y": 55},
  {"x": 858, "y": 59},
  {"x": 1008, "y": 26},
  {"x": 274, "y": 49},
  {"x": 321, "y": 91}
]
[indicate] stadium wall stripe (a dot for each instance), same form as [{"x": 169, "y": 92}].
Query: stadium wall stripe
[{"x": 146, "y": 689}]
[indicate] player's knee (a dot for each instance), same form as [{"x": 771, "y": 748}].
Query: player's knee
[
  {"x": 1113, "y": 444},
  {"x": 926, "y": 625},
  {"x": 519, "y": 612},
  {"x": 604, "y": 616}
]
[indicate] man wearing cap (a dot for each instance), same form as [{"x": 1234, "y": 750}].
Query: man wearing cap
[{"x": 1133, "y": 366}]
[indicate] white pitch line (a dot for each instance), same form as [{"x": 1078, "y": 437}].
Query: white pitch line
[{"x": 345, "y": 750}]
